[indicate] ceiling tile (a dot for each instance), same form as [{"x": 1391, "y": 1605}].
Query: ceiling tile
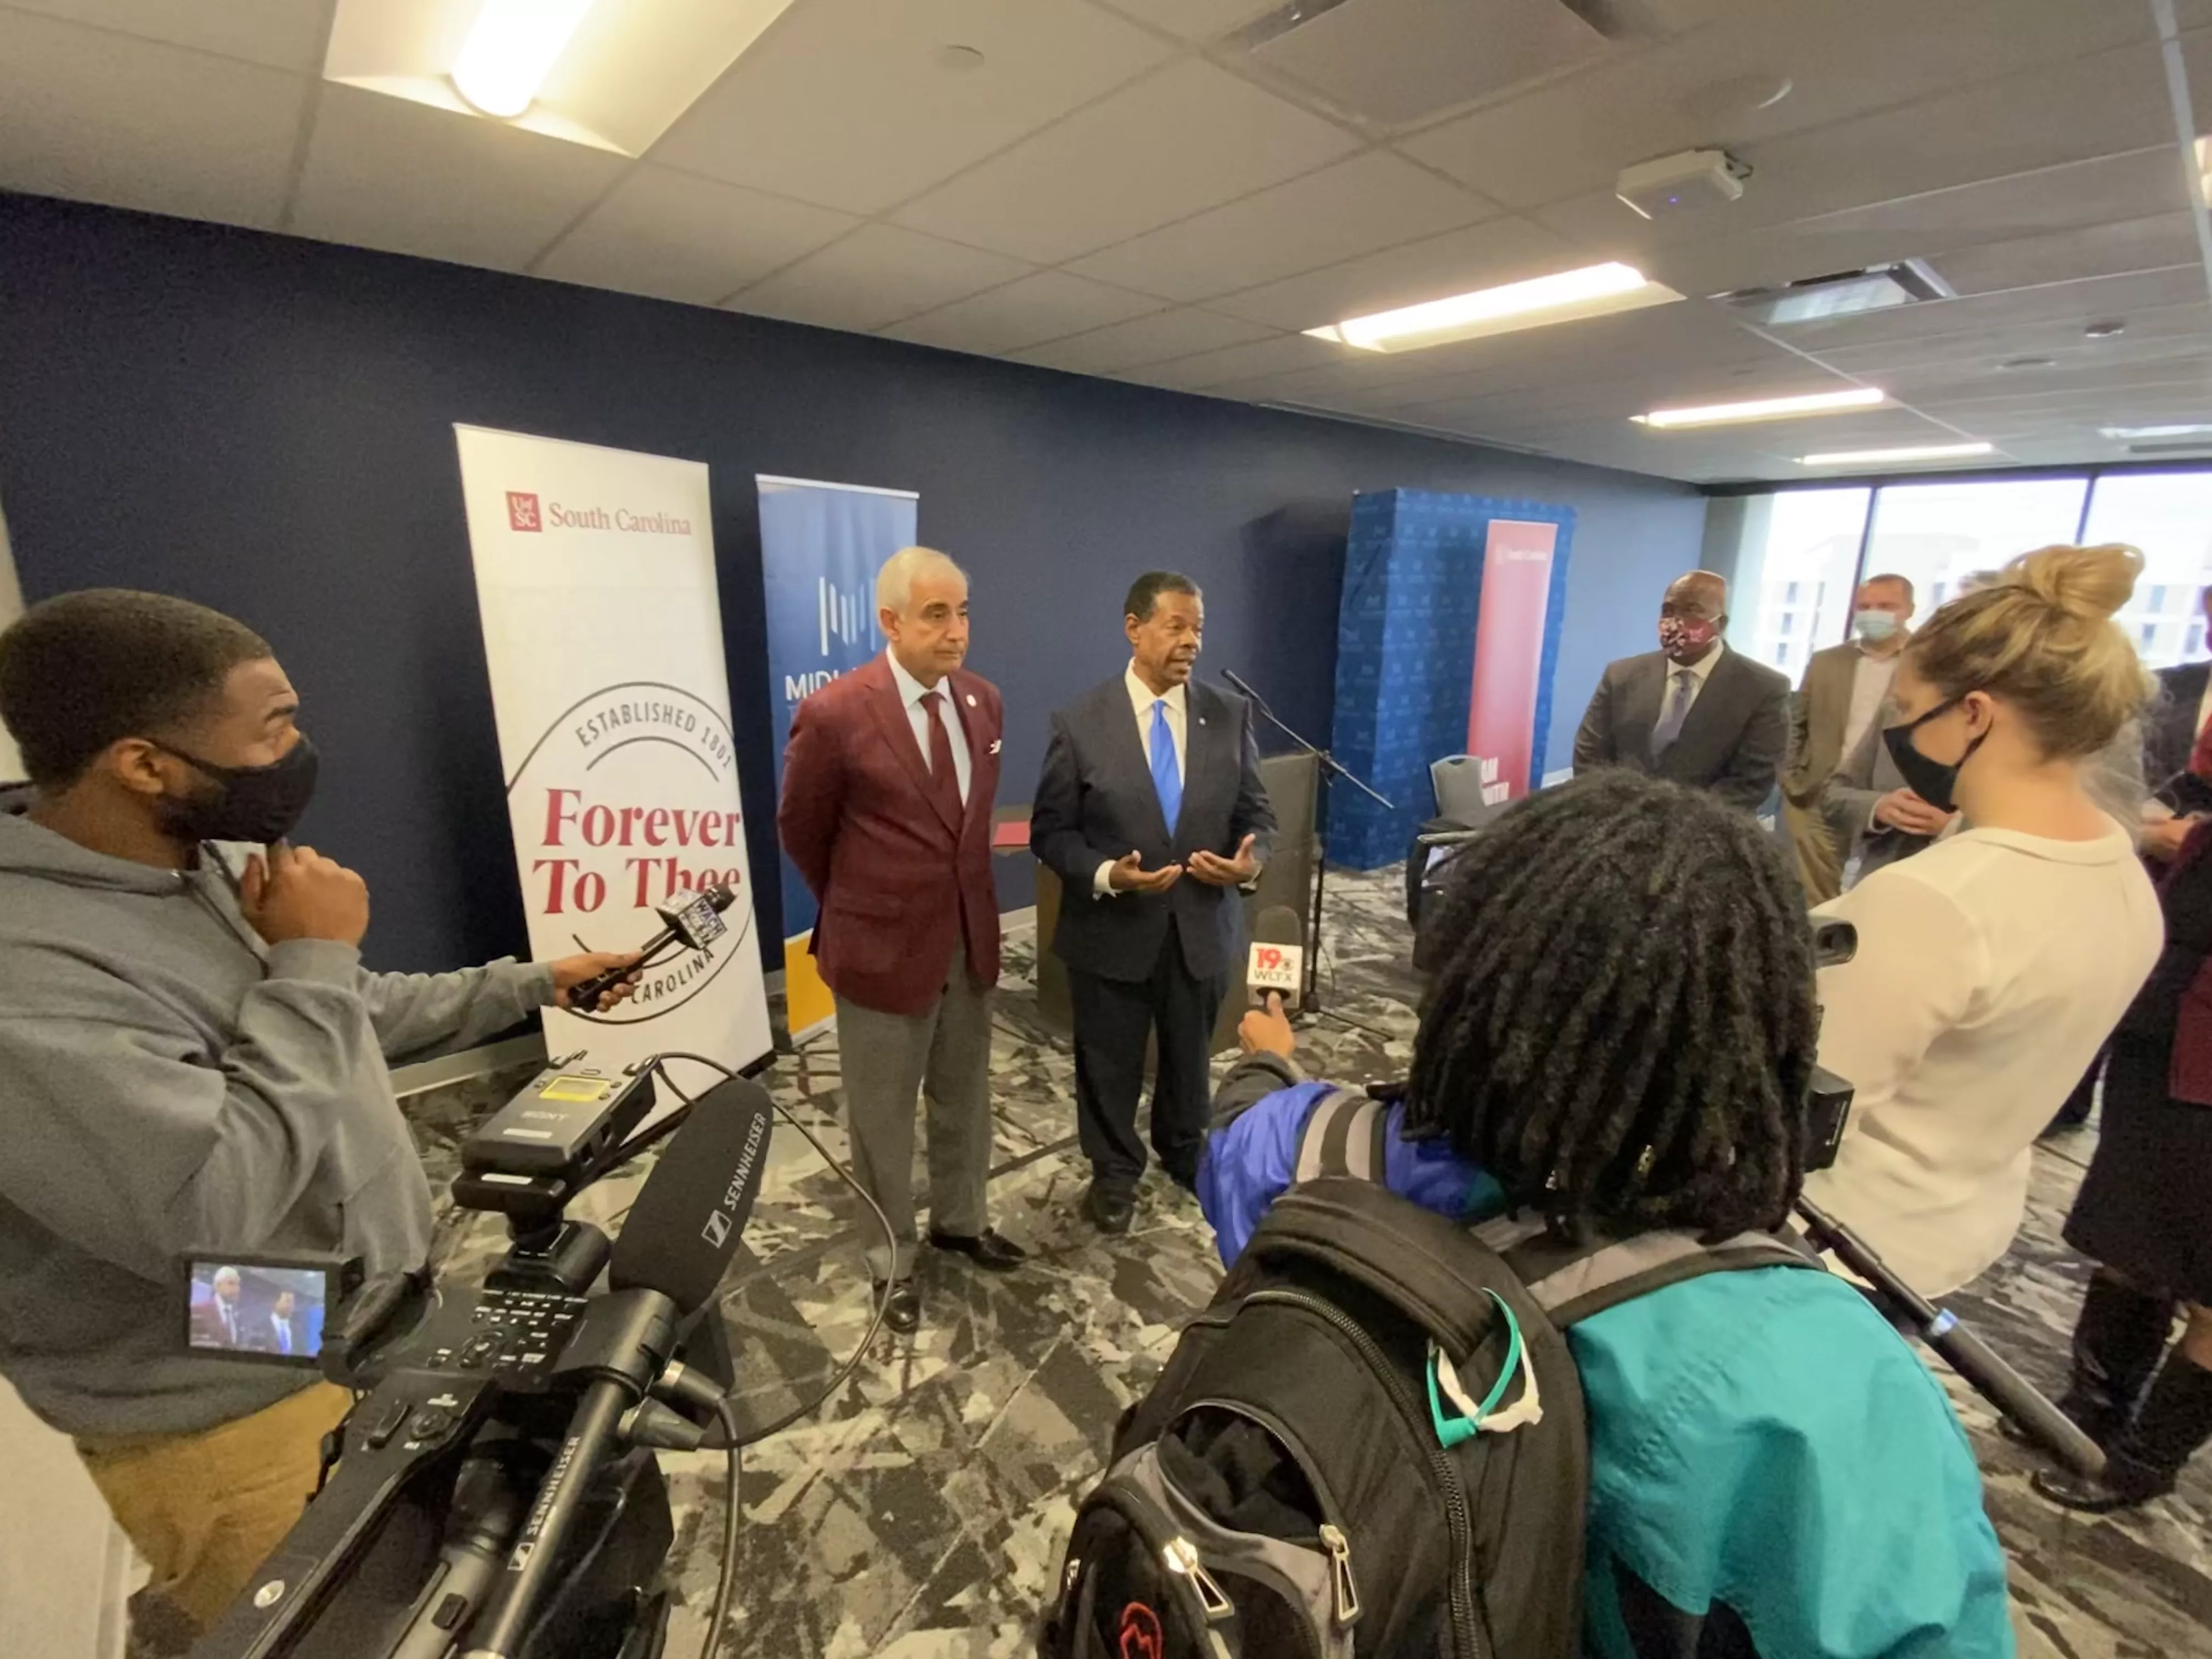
[
  {"x": 1187, "y": 138},
  {"x": 1206, "y": 369},
  {"x": 1045, "y": 307},
  {"x": 385, "y": 173},
  {"x": 877, "y": 275},
  {"x": 844, "y": 102},
  {"x": 1372, "y": 200},
  {"x": 679, "y": 237},
  {"x": 104, "y": 118},
  {"x": 280, "y": 34},
  {"x": 1201, "y": 20},
  {"x": 1146, "y": 340},
  {"x": 1842, "y": 58},
  {"x": 1457, "y": 261}
]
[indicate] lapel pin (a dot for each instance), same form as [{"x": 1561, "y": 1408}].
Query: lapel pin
[
  {"x": 995, "y": 745},
  {"x": 971, "y": 699}
]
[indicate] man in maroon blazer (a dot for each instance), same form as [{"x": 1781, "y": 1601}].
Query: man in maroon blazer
[{"x": 887, "y": 788}]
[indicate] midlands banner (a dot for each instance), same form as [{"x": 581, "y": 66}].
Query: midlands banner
[
  {"x": 821, "y": 546},
  {"x": 595, "y": 577}
]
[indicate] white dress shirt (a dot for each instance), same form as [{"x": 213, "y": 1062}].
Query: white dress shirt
[
  {"x": 282, "y": 1331},
  {"x": 1700, "y": 672},
  {"x": 1141, "y": 699},
  {"x": 911, "y": 692}
]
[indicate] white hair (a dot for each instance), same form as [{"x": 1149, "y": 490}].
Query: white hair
[
  {"x": 895, "y": 581},
  {"x": 221, "y": 1274}
]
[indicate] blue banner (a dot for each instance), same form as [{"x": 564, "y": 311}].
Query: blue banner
[{"x": 821, "y": 546}]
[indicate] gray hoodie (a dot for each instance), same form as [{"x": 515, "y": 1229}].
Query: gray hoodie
[{"x": 168, "y": 1082}]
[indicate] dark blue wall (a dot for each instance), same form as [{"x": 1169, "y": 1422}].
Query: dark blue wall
[{"x": 265, "y": 425}]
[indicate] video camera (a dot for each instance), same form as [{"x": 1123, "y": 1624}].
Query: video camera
[{"x": 495, "y": 1492}]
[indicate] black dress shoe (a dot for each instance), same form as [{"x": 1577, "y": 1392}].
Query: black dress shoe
[
  {"x": 902, "y": 1313},
  {"x": 1110, "y": 1212},
  {"x": 987, "y": 1249}
]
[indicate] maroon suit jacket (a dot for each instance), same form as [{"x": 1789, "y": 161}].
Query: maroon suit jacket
[{"x": 897, "y": 882}]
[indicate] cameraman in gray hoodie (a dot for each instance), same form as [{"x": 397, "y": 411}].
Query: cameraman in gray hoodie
[{"x": 192, "y": 1056}]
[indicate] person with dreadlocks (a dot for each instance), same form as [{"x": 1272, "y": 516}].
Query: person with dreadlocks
[{"x": 1619, "y": 1034}]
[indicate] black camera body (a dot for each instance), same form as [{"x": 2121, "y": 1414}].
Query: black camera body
[{"x": 500, "y": 1414}]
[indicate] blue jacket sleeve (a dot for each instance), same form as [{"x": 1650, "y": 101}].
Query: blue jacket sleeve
[{"x": 1249, "y": 1161}]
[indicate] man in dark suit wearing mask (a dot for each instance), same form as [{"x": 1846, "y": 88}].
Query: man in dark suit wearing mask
[
  {"x": 1692, "y": 710},
  {"x": 1152, "y": 811}
]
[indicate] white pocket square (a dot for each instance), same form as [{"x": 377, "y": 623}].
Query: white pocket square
[{"x": 995, "y": 745}]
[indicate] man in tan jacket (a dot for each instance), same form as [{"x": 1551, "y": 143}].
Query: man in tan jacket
[{"x": 1836, "y": 703}]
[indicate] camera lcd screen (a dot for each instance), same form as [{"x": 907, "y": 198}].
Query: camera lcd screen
[{"x": 270, "y": 1313}]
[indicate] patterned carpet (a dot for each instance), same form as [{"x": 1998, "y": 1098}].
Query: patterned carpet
[{"x": 919, "y": 1513}]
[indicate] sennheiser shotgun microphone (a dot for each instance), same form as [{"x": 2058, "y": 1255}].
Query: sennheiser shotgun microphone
[
  {"x": 675, "y": 1246},
  {"x": 683, "y": 1231},
  {"x": 697, "y": 923}
]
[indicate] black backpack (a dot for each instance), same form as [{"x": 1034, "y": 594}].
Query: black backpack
[{"x": 1285, "y": 1491}]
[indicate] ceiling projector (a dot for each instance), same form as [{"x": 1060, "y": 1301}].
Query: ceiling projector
[{"x": 1695, "y": 178}]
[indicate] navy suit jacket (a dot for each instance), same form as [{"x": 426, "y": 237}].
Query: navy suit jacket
[{"x": 1096, "y": 803}]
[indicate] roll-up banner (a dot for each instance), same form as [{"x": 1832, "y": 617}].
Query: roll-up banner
[
  {"x": 602, "y": 628},
  {"x": 821, "y": 546}
]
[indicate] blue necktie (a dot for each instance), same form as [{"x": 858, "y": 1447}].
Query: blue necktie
[{"x": 1167, "y": 778}]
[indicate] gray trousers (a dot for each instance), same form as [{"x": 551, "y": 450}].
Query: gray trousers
[{"x": 944, "y": 1054}]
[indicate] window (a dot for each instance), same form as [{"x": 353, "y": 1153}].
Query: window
[
  {"x": 1802, "y": 546},
  {"x": 2169, "y": 516},
  {"x": 1797, "y": 542},
  {"x": 1937, "y": 534}
]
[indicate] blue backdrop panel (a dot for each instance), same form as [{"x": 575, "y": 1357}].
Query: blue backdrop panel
[
  {"x": 821, "y": 546},
  {"x": 1405, "y": 654}
]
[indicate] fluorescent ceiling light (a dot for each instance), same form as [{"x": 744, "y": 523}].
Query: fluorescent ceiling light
[
  {"x": 510, "y": 51},
  {"x": 1765, "y": 409},
  {"x": 2205, "y": 168},
  {"x": 1908, "y": 453},
  {"x": 1592, "y": 291},
  {"x": 2120, "y": 434}
]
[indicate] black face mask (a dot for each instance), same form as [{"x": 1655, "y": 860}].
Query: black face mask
[
  {"x": 250, "y": 803},
  {"x": 1931, "y": 780}
]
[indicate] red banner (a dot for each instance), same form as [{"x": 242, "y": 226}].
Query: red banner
[{"x": 1508, "y": 651}]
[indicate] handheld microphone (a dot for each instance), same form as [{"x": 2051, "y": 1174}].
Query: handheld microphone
[
  {"x": 683, "y": 1231},
  {"x": 696, "y": 923},
  {"x": 1278, "y": 957}
]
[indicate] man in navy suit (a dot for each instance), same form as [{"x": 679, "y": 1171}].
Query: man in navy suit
[{"x": 1152, "y": 811}]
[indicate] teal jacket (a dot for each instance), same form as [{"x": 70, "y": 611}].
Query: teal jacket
[{"x": 1761, "y": 1443}]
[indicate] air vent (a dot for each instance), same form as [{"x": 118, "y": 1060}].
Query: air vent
[
  {"x": 1843, "y": 293},
  {"x": 1390, "y": 62}
]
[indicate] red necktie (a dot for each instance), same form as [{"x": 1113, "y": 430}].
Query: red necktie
[{"x": 944, "y": 781}]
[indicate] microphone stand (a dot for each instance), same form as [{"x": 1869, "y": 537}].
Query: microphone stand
[{"x": 1326, "y": 767}]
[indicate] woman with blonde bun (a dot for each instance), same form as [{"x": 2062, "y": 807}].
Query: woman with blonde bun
[{"x": 1991, "y": 967}]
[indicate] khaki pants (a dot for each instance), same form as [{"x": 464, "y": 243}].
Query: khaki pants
[{"x": 206, "y": 1509}]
